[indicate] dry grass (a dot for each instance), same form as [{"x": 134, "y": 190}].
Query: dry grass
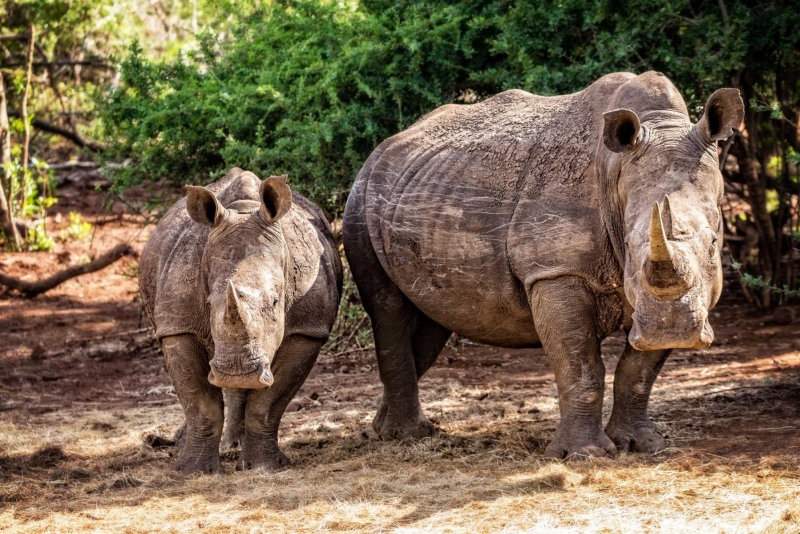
[{"x": 90, "y": 470}]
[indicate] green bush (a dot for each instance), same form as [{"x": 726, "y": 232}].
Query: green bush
[
  {"x": 305, "y": 88},
  {"x": 311, "y": 87}
]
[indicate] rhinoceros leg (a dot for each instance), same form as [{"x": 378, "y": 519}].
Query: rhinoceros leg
[
  {"x": 629, "y": 426},
  {"x": 564, "y": 314},
  {"x": 265, "y": 407},
  {"x": 406, "y": 341},
  {"x": 235, "y": 402},
  {"x": 187, "y": 365},
  {"x": 428, "y": 338}
]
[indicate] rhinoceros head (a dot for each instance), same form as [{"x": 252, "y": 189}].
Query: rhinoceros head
[
  {"x": 670, "y": 188},
  {"x": 244, "y": 262}
]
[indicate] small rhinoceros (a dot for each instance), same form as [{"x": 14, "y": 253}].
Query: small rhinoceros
[
  {"x": 527, "y": 221},
  {"x": 241, "y": 281}
]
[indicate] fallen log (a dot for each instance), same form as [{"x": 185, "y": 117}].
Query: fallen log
[{"x": 32, "y": 289}]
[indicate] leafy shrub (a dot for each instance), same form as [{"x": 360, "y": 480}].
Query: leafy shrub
[
  {"x": 310, "y": 88},
  {"x": 306, "y": 88}
]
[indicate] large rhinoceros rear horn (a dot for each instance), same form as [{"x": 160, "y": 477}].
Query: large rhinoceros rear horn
[
  {"x": 232, "y": 309},
  {"x": 660, "y": 250}
]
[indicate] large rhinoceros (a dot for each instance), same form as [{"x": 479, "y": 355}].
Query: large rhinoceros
[
  {"x": 527, "y": 221},
  {"x": 241, "y": 281}
]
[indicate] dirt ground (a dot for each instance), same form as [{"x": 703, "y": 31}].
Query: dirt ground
[{"x": 85, "y": 405}]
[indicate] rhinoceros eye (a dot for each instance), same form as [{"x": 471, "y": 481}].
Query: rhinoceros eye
[{"x": 712, "y": 250}]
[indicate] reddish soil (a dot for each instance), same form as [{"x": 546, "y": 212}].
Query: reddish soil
[{"x": 86, "y": 344}]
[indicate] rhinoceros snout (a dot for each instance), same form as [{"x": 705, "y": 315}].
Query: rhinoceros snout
[
  {"x": 643, "y": 338},
  {"x": 260, "y": 379}
]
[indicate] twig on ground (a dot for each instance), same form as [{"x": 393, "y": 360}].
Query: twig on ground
[
  {"x": 353, "y": 351},
  {"x": 355, "y": 330},
  {"x": 742, "y": 387}
]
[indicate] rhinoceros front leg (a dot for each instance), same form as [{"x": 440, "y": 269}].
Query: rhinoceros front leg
[
  {"x": 265, "y": 407},
  {"x": 564, "y": 314},
  {"x": 187, "y": 365},
  {"x": 235, "y": 402},
  {"x": 629, "y": 426}
]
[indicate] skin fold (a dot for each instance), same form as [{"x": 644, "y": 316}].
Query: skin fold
[
  {"x": 528, "y": 221},
  {"x": 241, "y": 281}
]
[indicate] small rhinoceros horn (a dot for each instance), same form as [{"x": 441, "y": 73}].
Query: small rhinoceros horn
[{"x": 233, "y": 310}]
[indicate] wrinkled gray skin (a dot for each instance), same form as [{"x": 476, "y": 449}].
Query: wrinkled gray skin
[
  {"x": 526, "y": 221},
  {"x": 241, "y": 281}
]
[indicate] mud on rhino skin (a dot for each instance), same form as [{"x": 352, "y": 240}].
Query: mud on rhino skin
[
  {"x": 526, "y": 221},
  {"x": 241, "y": 282}
]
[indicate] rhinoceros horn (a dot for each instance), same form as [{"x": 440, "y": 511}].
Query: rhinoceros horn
[
  {"x": 232, "y": 312},
  {"x": 660, "y": 250},
  {"x": 661, "y": 271}
]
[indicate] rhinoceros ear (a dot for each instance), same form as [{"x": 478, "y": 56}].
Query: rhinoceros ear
[
  {"x": 622, "y": 130},
  {"x": 276, "y": 198},
  {"x": 724, "y": 111},
  {"x": 203, "y": 206}
]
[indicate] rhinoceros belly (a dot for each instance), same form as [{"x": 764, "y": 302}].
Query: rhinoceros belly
[{"x": 445, "y": 249}]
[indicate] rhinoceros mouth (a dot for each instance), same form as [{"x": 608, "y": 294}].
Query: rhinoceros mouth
[
  {"x": 236, "y": 370},
  {"x": 259, "y": 379},
  {"x": 231, "y": 360},
  {"x": 656, "y": 335}
]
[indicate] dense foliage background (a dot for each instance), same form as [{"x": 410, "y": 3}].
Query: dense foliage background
[{"x": 310, "y": 87}]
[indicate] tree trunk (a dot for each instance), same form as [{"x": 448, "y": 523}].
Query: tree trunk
[
  {"x": 26, "y": 141},
  {"x": 6, "y": 210}
]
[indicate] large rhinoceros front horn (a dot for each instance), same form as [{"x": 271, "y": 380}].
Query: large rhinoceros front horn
[
  {"x": 661, "y": 271},
  {"x": 232, "y": 307},
  {"x": 660, "y": 250}
]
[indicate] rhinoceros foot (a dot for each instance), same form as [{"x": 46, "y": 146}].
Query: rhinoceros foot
[
  {"x": 645, "y": 437},
  {"x": 179, "y": 437},
  {"x": 400, "y": 430},
  {"x": 579, "y": 446},
  {"x": 193, "y": 461},
  {"x": 232, "y": 438},
  {"x": 262, "y": 459},
  {"x": 388, "y": 427}
]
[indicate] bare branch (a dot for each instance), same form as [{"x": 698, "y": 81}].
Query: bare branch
[
  {"x": 32, "y": 289},
  {"x": 68, "y": 63},
  {"x": 726, "y": 23},
  {"x": 76, "y": 138}
]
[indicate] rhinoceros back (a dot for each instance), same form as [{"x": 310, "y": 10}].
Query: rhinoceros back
[{"x": 443, "y": 200}]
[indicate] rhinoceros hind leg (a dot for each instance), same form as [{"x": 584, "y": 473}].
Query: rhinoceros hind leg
[
  {"x": 187, "y": 365},
  {"x": 564, "y": 314},
  {"x": 402, "y": 358},
  {"x": 629, "y": 425},
  {"x": 265, "y": 407},
  {"x": 428, "y": 338},
  {"x": 406, "y": 341}
]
